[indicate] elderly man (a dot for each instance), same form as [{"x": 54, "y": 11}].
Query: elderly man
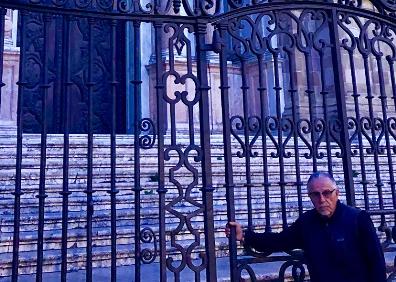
[{"x": 340, "y": 242}]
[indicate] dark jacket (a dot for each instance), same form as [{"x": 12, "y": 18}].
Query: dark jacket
[{"x": 343, "y": 248}]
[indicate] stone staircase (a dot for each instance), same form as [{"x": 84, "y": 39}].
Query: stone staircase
[{"x": 149, "y": 204}]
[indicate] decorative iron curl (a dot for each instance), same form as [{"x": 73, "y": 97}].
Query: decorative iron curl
[
  {"x": 364, "y": 43},
  {"x": 379, "y": 125},
  {"x": 298, "y": 270},
  {"x": 105, "y": 4},
  {"x": 320, "y": 128},
  {"x": 197, "y": 158},
  {"x": 352, "y": 3},
  {"x": 344, "y": 19},
  {"x": 366, "y": 124},
  {"x": 59, "y": 3},
  {"x": 288, "y": 127},
  {"x": 249, "y": 270},
  {"x": 385, "y": 7},
  {"x": 182, "y": 263},
  {"x": 354, "y": 126},
  {"x": 146, "y": 141},
  {"x": 240, "y": 46},
  {"x": 335, "y": 128},
  {"x": 81, "y": 4},
  {"x": 271, "y": 124},
  {"x": 374, "y": 125},
  {"x": 254, "y": 125},
  {"x": 258, "y": 44},
  {"x": 148, "y": 236},
  {"x": 124, "y": 6},
  {"x": 202, "y": 7},
  {"x": 386, "y": 38},
  {"x": 305, "y": 39},
  {"x": 235, "y": 4},
  {"x": 392, "y": 130},
  {"x": 303, "y": 128},
  {"x": 239, "y": 124}
]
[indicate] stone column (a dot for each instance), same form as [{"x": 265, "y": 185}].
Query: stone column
[{"x": 9, "y": 93}]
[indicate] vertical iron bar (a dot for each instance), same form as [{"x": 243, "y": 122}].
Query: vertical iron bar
[
  {"x": 370, "y": 98},
  {"x": 66, "y": 51},
  {"x": 326, "y": 127},
  {"x": 89, "y": 191},
  {"x": 113, "y": 143},
  {"x": 356, "y": 96},
  {"x": 172, "y": 113},
  {"x": 43, "y": 155},
  {"x": 282, "y": 182},
  {"x": 55, "y": 117},
  {"x": 207, "y": 189},
  {"x": 160, "y": 88},
  {"x": 245, "y": 102},
  {"x": 393, "y": 82},
  {"x": 293, "y": 92},
  {"x": 228, "y": 171},
  {"x": 3, "y": 12},
  {"x": 137, "y": 188},
  {"x": 384, "y": 107},
  {"x": 312, "y": 103},
  {"x": 18, "y": 177},
  {"x": 341, "y": 108},
  {"x": 264, "y": 114}
]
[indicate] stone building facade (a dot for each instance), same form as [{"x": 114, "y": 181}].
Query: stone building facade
[
  {"x": 9, "y": 93},
  {"x": 303, "y": 107}
]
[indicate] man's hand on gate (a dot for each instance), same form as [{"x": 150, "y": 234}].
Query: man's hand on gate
[{"x": 238, "y": 230}]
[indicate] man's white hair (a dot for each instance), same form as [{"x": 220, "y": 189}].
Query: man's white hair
[{"x": 320, "y": 174}]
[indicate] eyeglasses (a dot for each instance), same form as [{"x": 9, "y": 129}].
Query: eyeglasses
[{"x": 326, "y": 194}]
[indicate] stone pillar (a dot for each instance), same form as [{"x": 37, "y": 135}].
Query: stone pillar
[{"x": 9, "y": 92}]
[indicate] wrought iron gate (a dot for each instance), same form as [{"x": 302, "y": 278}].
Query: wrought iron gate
[{"x": 235, "y": 105}]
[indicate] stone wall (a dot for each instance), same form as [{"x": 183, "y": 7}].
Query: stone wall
[{"x": 9, "y": 98}]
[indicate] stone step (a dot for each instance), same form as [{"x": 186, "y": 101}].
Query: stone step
[{"x": 101, "y": 224}]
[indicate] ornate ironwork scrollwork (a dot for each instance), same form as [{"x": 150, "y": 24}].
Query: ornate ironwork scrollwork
[
  {"x": 254, "y": 126},
  {"x": 375, "y": 127},
  {"x": 353, "y": 126},
  {"x": 238, "y": 124},
  {"x": 304, "y": 128},
  {"x": 183, "y": 159},
  {"x": 298, "y": 270},
  {"x": 249, "y": 270},
  {"x": 146, "y": 141},
  {"x": 147, "y": 236},
  {"x": 392, "y": 131},
  {"x": 335, "y": 129},
  {"x": 288, "y": 126},
  {"x": 320, "y": 129},
  {"x": 271, "y": 125}
]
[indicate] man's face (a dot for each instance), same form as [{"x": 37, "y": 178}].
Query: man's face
[{"x": 324, "y": 195}]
